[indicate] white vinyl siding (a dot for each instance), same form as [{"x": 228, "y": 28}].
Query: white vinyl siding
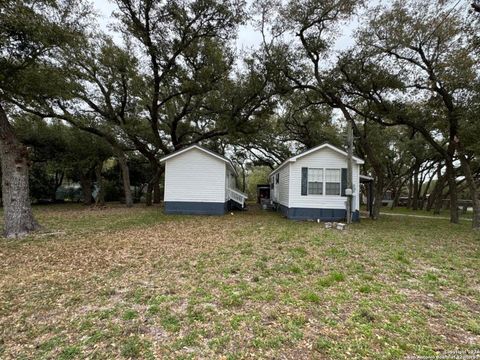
[
  {"x": 280, "y": 192},
  {"x": 322, "y": 159},
  {"x": 195, "y": 176}
]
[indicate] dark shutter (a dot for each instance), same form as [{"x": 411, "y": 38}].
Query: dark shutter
[
  {"x": 304, "y": 181},
  {"x": 344, "y": 181}
]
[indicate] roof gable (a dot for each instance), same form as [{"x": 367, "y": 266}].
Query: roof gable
[
  {"x": 204, "y": 150},
  {"x": 315, "y": 149}
]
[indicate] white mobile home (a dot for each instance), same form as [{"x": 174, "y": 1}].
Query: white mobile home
[
  {"x": 200, "y": 181},
  {"x": 312, "y": 185}
]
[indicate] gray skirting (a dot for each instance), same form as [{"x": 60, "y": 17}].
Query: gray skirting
[
  {"x": 195, "y": 208},
  {"x": 314, "y": 214}
]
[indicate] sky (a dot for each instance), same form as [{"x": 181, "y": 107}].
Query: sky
[{"x": 248, "y": 37}]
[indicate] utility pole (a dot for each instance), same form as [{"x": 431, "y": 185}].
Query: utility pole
[{"x": 349, "y": 191}]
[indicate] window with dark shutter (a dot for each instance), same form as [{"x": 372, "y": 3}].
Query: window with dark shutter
[
  {"x": 344, "y": 181},
  {"x": 304, "y": 181}
]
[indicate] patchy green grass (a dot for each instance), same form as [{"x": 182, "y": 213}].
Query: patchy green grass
[{"x": 135, "y": 283}]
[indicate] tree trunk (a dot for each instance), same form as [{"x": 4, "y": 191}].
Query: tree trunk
[
  {"x": 157, "y": 171},
  {"x": 148, "y": 195},
  {"x": 410, "y": 193},
  {"x": 244, "y": 179},
  {"x": 452, "y": 188},
  {"x": 57, "y": 183},
  {"x": 421, "y": 182},
  {"x": 425, "y": 191},
  {"x": 86, "y": 183},
  {"x": 438, "y": 189},
  {"x": 122, "y": 162},
  {"x": 157, "y": 194},
  {"x": 378, "y": 196},
  {"x": 100, "y": 200},
  {"x": 474, "y": 194},
  {"x": 398, "y": 193},
  {"x": 439, "y": 202},
  {"x": 18, "y": 215},
  {"x": 415, "y": 190}
]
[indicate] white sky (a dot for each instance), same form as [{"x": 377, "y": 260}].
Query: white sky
[{"x": 248, "y": 37}]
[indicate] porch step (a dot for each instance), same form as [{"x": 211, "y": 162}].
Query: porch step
[{"x": 237, "y": 197}]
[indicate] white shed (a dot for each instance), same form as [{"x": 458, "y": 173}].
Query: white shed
[
  {"x": 200, "y": 181},
  {"x": 311, "y": 185}
]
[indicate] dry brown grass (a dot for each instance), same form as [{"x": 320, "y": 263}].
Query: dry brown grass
[{"x": 125, "y": 283}]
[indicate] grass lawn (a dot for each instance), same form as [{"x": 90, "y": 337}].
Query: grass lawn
[
  {"x": 444, "y": 213},
  {"x": 135, "y": 283}
]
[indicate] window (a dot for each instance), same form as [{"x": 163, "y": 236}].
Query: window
[
  {"x": 277, "y": 178},
  {"x": 315, "y": 181},
  {"x": 332, "y": 182}
]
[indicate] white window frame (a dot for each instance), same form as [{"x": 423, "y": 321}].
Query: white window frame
[
  {"x": 323, "y": 182},
  {"x": 339, "y": 182}
]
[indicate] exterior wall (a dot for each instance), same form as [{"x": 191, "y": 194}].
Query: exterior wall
[
  {"x": 324, "y": 158},
  {"x": 229, "y": 181},
  {"x": 284, "y": 182},
  {"x": 195, "y": 177},
  {"x": 280, "y": 193}
]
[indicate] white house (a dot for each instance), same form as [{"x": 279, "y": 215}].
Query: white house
[
  {"x": 200, "y": 181},
  {"x": 312, "y": 185}
]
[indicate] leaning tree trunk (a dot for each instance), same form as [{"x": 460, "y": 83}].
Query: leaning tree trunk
[
  {"x": 438, "y": 189},
  {"x": 122, "y": 162},
  {"x": 425, "y": 191},
  {"x": 398, "y": 193},
  {"x": 18, "y": 216}
]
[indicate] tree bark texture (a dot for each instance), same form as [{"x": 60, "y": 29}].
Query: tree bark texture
[{"x": 18, "y": 215}]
